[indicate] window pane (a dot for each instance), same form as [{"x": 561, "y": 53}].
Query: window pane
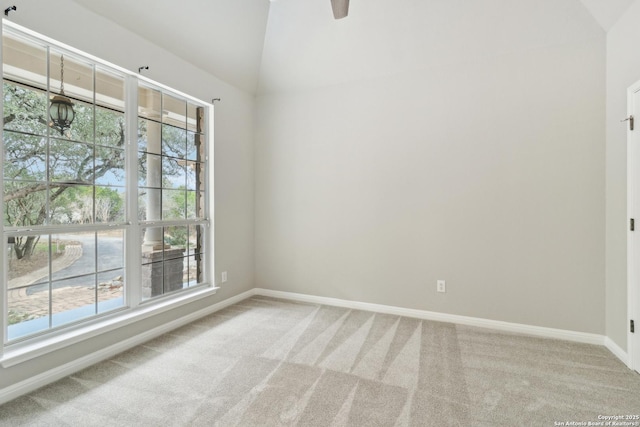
[
  {"x": 110, "y": 290},
  {"x": 28, "y": 260},
  {"x": 152, "y": 256},
  {"x": 142, "y": 169},
  {"x": 73, "y": 299},
  {"x": 25, "y": 109},
  {"x": 24, "y": 61},
  {"x": 142, "y": 204},
  {"x": 25, "y": 157},
  {"x": 174, "y": 204},
  {"x": 149, "y": 204},
  {"x": 82, "y": 127},
  {"x": 149, "y": 136},
  {"x": 152, "y": 278},
  {"x": 174, "y": 111},
  {"x": 192, "y": 170},
  {"x": 110, "y": 127},
  {"x": 77, "y": 257},
  {"x": 195, "y": 267},
  {"x": 110, "y": 204},
  {"x": 110, "y": 250},
  {"x": 174, "y": 142},
  {"x": 195, "y": 118},
  {"x": 24, "y": 203},
  {"x": 109, "y": 169},
  {"x": 173, "y": 173},
  {"x": 194, "y": 273},
  {"x": 194, "y": 146},
  {"x": 195, "y": 205},
  {"x": 173, "y": 271},
  {"x": 78, "y": 76},
  {"x": 149, "y": 103},
  {"x": 150, "y": 170},
  {"x": 27, "y": 288},
  {"x": 109, "y": 89},
  {"x": 192, "y": 205},
  {"x": 70, "y": 161},
  {"x": 175, "y": 239},
  {"x": 196, "y": 235},
  {"x": 71, "y": 204},
  {"x": 28, "y": 311},
  {"x": 152, "y": 244}
]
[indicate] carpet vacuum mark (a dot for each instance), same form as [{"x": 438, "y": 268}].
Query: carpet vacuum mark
[{"x": 270, "y": 362}]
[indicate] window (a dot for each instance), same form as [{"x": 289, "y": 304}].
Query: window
[
  {"x": 104, "y": 215},
  {"x": 170, "y": 191}
]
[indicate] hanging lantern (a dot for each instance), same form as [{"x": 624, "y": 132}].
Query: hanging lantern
[{"x": 61, "y": 108}]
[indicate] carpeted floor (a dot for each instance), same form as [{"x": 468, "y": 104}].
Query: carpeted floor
[{"x": 268, "y": 362}]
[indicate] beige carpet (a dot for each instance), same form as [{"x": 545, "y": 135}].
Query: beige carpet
[{"x": 268, "y": 362}]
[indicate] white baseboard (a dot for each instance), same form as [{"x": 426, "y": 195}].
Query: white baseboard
[
  {"x": 616, "y": 350},
  {"x": 35, "y": 382},
  {"x": 539, "y": 331}
]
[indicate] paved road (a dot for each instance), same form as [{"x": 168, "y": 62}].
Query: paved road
[{"x": 110, "y": 254}]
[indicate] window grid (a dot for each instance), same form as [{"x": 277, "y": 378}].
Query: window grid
[
  {"x": 169, "y": 192},
  {"x": 99, "y": 224}
]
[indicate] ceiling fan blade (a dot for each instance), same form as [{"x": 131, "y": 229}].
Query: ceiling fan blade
[{"x": 340, "y": 8}]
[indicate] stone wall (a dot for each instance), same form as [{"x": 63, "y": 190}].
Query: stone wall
[{"x": 162, "y": 271}]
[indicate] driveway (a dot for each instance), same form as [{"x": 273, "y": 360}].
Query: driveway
[{"x": 110, "y": 255}]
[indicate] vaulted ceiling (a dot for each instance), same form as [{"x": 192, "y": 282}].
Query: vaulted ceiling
[
  {"x": 227, "y": 37},
  {"x": 223, "y": 37}
]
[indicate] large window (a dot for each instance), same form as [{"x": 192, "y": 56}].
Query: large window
[{"x": 107, "y": 212}]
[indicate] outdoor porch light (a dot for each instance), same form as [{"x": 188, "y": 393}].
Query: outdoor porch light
[{"x": 61, "y": 108}]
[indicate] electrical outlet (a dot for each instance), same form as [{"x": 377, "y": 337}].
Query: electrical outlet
[
  {"x": 441, "y": 286},
  {"x": 224, "y": 277}
]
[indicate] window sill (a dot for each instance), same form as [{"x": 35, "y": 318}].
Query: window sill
[{"x": 31, "y": 349}]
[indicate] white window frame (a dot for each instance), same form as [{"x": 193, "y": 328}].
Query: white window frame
[{"x": 134, "y": 309}]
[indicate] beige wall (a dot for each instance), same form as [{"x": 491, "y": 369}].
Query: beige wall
[
  {"x": 65, "y": 21},
  {"x": 386, "y": 159},
  {"x": 623, "y": 69}
]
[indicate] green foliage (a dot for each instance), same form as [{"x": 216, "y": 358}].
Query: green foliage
[
  {"x": 76, "y": 205},
  {"x": 79, "y": 176},
  {"x": 51, "y": 178},
  {"x": 176, "y": 236},
  {"x": 181, "y": 203},
  {"x": 25, "y": 109},
  {"x": 18, "y": 317}
]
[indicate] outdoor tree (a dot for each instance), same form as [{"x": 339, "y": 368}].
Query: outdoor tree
[
  {"x": 78, "y": 176},
  {"x": 103, "y": 209},
  {"x": 178, "y": 205},
  {"x": 45, "y": 172}
]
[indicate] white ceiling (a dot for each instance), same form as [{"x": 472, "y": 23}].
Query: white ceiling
[
  {"x": 226, "y": 37},
  {"x": 607, "y": 12},
  {"x": 223, "y": 37}
]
